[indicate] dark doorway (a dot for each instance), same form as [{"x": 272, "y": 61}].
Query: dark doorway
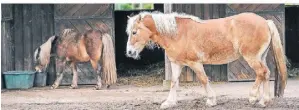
[
  {"x": 292, "y": 33},
  {"x": 147, "y": 56}
]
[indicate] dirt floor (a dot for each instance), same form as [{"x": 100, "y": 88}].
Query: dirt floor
[{"x": 231, "y": 95}]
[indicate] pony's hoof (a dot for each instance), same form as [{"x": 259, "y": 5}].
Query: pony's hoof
[
  {"x": 167, "y": 104},
  {"x": 54, "y": 86},
  {"x": 108, "y": 86},
  {"x": 74, "y": 87},
  {"x": 253, "y": 100},
  {"x": 211, "y": 103},
  {"x": 264, "y": 102},
  {"x": 97, "y": 87}
]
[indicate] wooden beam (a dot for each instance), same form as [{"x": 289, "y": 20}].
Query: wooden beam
[
  {"x": 168, "y": 72},
  {"x": 18, "y": 37},
  {"x": 278, "y": 90}
]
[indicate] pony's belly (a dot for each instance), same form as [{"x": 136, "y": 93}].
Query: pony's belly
[{"x": 224, "y": 59}]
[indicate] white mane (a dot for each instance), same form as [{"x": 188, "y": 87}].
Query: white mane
[{"x": 165, "y": 23}]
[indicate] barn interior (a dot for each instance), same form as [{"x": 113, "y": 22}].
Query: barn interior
[
  {"x": 292, "y": 33},
  {"x": 148, "y": 57}
]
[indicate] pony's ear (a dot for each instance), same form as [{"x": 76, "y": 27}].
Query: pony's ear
[
  {"x": 36, "y": 54},
  {"x": 129, "y": 17}
]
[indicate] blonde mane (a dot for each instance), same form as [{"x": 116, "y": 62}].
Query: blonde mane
[{"x": 165, "y": 23}]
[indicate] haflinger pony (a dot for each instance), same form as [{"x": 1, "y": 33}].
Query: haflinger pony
[
  {"x": 72, "y": 47},
  {"x": 190, "y": 41}
]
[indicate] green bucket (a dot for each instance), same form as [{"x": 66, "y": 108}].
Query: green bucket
[{"x": 19, "y": 79}]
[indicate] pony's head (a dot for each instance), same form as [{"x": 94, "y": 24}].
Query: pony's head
[
  {"x": 139, "y": 34},
  {"x": 144, "y": 28},
  {"x": 43, "y": 53}
]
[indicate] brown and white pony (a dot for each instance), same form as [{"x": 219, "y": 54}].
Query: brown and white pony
[
  {"x": 190, "y": 41},
  {"x": 72, "y": 47}
]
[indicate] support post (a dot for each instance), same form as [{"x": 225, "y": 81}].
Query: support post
[{"x": 168, "y": 72}]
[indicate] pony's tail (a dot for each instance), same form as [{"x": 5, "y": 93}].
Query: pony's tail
[
  {"x": 109, "y": 75},
  {"x": 279, "y": 56}
]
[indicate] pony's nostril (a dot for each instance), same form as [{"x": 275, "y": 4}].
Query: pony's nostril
[
  {"x": 129, "y": 52},
  {"x": 134, "y": 53}
]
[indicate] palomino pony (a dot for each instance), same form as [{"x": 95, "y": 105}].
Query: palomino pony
[
  {"x": 72, "y": 47},
  {"x": 190, "y": 41}
]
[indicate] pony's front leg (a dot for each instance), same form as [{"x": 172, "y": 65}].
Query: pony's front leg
[
  {"x": 58, "y": 80},
  {"x": 75, "y": 76},
  {"x": 201, "y": 75},
  {"x": 98, "y": 72},
  {"x": 171, "y": 100}
]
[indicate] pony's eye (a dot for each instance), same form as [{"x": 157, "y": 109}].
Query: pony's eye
[{"x": 134, "y": 32}]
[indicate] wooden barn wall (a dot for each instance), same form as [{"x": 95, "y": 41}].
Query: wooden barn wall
[
  {"x": 82, "y": 17},
  {"x": 24, "y": 28},
  {"x": 203, "y": 11}
]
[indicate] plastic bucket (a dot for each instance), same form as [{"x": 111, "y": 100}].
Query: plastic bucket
[
  {"x": 19, "y": 79},
  {"x": 40, "y": 79}
]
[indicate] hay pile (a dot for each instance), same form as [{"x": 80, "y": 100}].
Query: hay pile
[{"x": 150, "y": 75}]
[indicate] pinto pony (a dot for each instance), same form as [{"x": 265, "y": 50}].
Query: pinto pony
[
  {"x": 72, "y": 47},
  {"x": 190, "y": 41}
]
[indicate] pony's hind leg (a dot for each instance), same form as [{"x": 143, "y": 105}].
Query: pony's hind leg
[
  {"x": 261, "y": 71},
  {"x": 171, "y": 99},
  {"x": 201, "y": 75},
  {"x": 75, "y": 76},
  {"x": 94, "y": 64},
  {"x": 266, "y": 87},
  {"x": 266, "y": 83}
]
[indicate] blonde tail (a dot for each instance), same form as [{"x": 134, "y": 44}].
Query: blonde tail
[
  {"x": 279, "y": 56},
  {"x": 109, "y": 74}
]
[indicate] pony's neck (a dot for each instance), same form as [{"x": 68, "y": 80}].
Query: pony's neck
[{"x": 156, "y": 37}]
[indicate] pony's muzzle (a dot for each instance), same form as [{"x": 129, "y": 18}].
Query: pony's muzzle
[{"x": 131, "y": 53}]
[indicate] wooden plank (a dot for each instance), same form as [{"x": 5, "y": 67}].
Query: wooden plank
[
  {"x": 216, "y": 73},
  {"x": 208, "y": 70},
  {"x": 222, "y": 10},
  {"x": 110, "y": 24},
  {"x": 60, "y": 9},
  {"x": 6, "y": 11},
  {"x": 199, "y": 11},
  {"x": 3, "y": 46},
  {"x": 206, "y": 11},
  {"x": 233, "y": 6},
  {"x": 262, "y": 7},
  {"x": 216, "y": 11},
  {"x": 48, "y": 9},
  {"x": 107, "y": 13},
  {"x": 27, "y": 42},
  {"x": 80, "y": 10},
  {"x": 92, "y": 9},
  {"x": 73, "y": 10},
  {"x": 18, "y": 37},
  {"x": 243, "y": 7},
  {"x": 7, "y": 51},
  {"x": 252, "y": 7},
  {"x": 36, "y": 27},
  {"x": 45, "y": 17},
  {"x": 223, "y": 73}
]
